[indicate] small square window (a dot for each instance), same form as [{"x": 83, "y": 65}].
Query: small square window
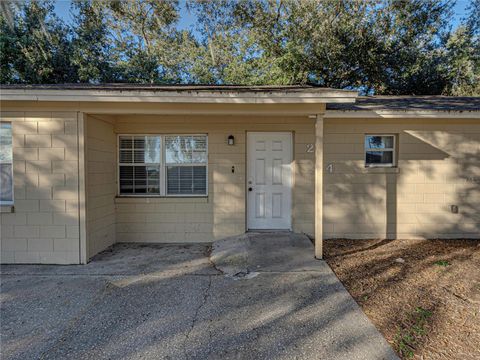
[{"x": 379, "y": 150}]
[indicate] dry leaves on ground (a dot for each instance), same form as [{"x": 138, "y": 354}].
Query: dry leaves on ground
[{"x": 423, "y": 295}]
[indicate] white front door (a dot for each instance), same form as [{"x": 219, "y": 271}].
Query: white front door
[{"x": 269, "y": 180}]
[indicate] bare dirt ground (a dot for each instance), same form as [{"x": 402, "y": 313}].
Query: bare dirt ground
[{"x": 422, "y": 295}]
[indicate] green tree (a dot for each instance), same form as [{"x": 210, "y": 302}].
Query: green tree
[
  {"x": 462, "y": 64},
  {"x": 91, "y": 45},
  {"x": 462, "y": 56},
  {"x": 8, "y": 43},
  {"x": 40, "y": 43},
  {"x": 226, "y": 51},
  {"x": 377, "y": 46},
  {"x": 146, "y": 43},
  {"x": 473, "y": 19},
  {"x": 385, "y": 46}
]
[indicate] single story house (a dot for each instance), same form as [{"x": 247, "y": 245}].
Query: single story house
[{"x": 86, "y": 166}]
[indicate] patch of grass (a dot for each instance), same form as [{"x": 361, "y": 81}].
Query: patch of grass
[
  {"x": 423, "y": 314},
  {"x": 442, "y": 263},
  {"x": 403, "y": 346},
  {"x": 408, "y": 336}
]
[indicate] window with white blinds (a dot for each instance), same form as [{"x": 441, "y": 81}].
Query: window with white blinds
[
  {"x": 6, "y": 164},
  {"x": 186, "y": 164},
  {"x": 159, "y": 165}
]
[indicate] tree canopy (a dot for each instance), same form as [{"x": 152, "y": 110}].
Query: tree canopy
[{"x": 375, "y": 46}]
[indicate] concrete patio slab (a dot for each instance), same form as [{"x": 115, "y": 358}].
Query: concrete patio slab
[
  {"x": 170, "y": 302},
  {"x": 265, "y": 252},
  {"x": 130, "y": 259}
]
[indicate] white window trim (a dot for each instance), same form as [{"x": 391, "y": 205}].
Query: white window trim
[
  {"x": 163, "y": 167},
  {"x": 119, "y": 164},
  {"x": 392, "y": 149},
  {"x": 11, "y": 202}
]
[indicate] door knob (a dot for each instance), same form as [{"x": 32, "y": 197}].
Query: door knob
[{"x": 250, "y": 189}]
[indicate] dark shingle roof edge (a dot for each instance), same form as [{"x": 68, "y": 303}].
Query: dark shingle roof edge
[{"x": 410, "y": 103}]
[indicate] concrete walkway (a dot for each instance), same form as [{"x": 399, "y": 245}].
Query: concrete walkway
[{"x": 171, "y": 302}]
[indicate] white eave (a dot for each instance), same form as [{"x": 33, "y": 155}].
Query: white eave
[{"x": 207, "y": 97}]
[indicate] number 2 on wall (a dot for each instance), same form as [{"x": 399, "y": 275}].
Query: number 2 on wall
[{"x": 309, "y": 148}]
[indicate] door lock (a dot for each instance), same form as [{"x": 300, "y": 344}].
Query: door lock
[{"x": 250, "y": 189}]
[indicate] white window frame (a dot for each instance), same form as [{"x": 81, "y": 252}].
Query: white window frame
[
  {"x": 163, "y": 168},
  {"x": 165, "y": 165},
  {"x": 134, "y": 164},
  {"x": 11, "y": 202},
  {"x": 392, "y": 149}
]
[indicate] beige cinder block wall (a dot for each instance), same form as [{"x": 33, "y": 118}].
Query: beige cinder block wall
[
  {"x": 438, "y": 166},
  {"x": 223, "y": 212},
  {"x": 100, "y": 145},
  {"x": 45, "y": 225}
]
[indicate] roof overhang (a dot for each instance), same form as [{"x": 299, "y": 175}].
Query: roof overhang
[
  {"x": 401, "y": 114},
  {"x": 191, "y": 96}
]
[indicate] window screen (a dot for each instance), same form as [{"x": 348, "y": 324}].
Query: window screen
[
  {"x": 379, "y": 150},
  {"x": 186, "y": 164},
  {"x": 6, "y": 164}
]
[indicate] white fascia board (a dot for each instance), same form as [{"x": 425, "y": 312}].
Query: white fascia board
[
  {"x": 406, "y": 114},
  {"x": 178, "y": 97}
]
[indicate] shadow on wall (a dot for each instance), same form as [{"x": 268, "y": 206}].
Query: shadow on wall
[
  {"x": 436, "y": 169},
  {"x": 44, "y": 224},
  {"x": 462, "y": 184}
]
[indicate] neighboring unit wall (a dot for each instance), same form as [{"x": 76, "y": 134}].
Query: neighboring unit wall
[
  {"x": 222, "y": 213},
  {"x": 45, "y": 225},
  {"x": 100, "y": 148},
  {"x": 438, "y": 166}
]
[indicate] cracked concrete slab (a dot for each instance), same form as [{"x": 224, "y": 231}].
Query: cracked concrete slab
[
  {"x": 264, "y": 252},
  {"x": 171, "y": 302},
  {"x": 146, "y": 320},
  {"x": 284, "y": 316}
]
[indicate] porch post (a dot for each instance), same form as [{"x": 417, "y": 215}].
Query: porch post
[
  {"x": 82, "y": 187},
  {"x": 319, "y": 187}
]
